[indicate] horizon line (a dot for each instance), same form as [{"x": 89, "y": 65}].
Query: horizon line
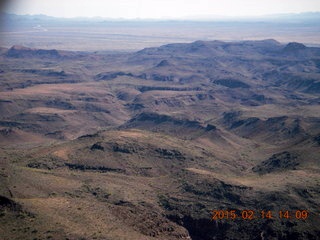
[{"x": 186, "y": 18}]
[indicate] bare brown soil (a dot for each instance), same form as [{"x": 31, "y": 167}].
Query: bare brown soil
[{"x": 145, "y": 145}]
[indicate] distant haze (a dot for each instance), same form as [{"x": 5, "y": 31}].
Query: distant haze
[{"x": 159, "y": 9}]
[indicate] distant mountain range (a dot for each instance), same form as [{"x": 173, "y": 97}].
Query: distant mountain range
[{"x": 287, "y": 17}]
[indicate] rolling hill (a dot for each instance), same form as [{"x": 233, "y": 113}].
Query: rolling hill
[{"x": 147, "y": 144}]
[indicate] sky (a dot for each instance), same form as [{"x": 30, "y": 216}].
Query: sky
[{"x": 160, "y": 9}]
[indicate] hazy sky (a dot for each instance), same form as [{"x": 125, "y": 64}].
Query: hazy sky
[{"x": 159, "y": 8}]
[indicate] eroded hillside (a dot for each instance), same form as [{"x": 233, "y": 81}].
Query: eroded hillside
[{"x": 146, "y": 145}]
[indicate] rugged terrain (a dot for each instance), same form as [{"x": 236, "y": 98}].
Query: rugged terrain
[{"x": 146, "y": 145}]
